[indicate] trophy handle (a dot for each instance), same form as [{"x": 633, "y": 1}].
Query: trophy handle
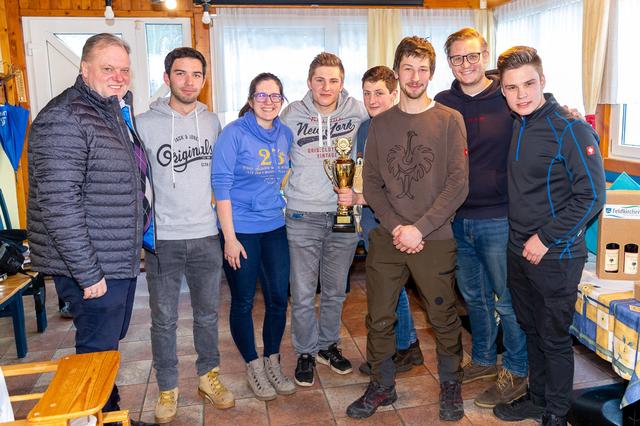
[{"x": 328, "y": 170}]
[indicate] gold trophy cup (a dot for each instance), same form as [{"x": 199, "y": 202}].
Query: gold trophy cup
[{"x": 340, "y": 172}]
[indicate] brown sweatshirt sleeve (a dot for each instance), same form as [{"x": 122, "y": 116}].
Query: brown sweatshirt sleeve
[
  {"x": 373, "y": 184},
  {"x": 456, "y": 186}
]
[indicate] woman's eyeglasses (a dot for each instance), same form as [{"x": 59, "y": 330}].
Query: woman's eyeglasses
[{"x": 261, "y": 97}]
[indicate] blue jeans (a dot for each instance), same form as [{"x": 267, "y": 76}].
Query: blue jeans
[
  {"x": 267, "y": 258},
  {"x": 317, "y": 252},
  {"x": 482, "y": 278},
  {"x": 198, "y": 261},
  {"x": 404, "y": 329}
]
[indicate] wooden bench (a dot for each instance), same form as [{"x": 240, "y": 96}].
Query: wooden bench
[
  {"x": 80, "y": 387},
  {"x": 12, "y": 290}
]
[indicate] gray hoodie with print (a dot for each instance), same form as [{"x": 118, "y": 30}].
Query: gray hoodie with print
[
  {"x": 179, "y": 149},
  {"x": 314, "y": 135}
]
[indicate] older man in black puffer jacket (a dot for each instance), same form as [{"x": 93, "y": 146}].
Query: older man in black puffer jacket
[{"x": 88, "y": 213}]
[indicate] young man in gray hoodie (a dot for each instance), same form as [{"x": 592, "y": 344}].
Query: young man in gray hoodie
[
  {"x": 325, "y": 114},
  {"x": 179, "y": 134}
]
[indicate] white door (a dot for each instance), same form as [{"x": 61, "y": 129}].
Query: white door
[{"x": 54, "y": 46}]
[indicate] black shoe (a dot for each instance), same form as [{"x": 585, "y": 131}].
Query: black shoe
[
  {"x": 365, "y": 368},
  {"x": 304, "y": 370},
  {"x": 405, "y": 359},
  {"x": 553, "y": 420},
  {"x": 375, "y": 396},
  {"x": 451, "y": 405},
  {"x": 521, "y": 409},
  {"x": 334, "y": 359},
  {"x": 141, "y": 423},
  {"x": 65, "y": 311}
]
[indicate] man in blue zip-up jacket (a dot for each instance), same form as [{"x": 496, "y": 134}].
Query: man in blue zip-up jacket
[{"x": 556, "y": 185}]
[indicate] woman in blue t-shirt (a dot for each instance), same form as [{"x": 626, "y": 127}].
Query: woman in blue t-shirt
[{"x": 249, "y": 162}]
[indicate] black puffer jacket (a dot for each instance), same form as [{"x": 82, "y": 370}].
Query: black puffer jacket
[{"x": 84, "y": 214}]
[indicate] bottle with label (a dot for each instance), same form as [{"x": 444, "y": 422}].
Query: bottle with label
[
  {"x": 631, "y": 259},
  {"x": 611, "y": 257}
]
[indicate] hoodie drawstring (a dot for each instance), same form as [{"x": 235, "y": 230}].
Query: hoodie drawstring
[
  {"x": 173, "y": 172},
  {"x": 320, "y": 132},
  {"x": 198, "y": 129}
]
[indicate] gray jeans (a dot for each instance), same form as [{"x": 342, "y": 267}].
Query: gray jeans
[
  {"x": 200, "y": 262},
  {"x": 315, "y": 251}
]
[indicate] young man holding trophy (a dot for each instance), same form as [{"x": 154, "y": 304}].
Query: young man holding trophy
[
  {"x": 415, "y": 177},
  {"x": 318, "y": 249}
]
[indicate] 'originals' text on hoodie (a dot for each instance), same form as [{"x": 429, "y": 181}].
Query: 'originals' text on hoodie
[{"x": 179, "y": 149}]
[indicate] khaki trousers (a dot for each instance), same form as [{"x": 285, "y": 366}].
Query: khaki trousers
[{"x": 433, "y": 270}]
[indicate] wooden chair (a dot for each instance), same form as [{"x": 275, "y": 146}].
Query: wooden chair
[{"x": 80, "y": 387}]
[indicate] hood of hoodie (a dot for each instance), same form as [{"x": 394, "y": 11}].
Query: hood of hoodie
[
  {"x": 314, "y": 135},
  {"x": 268, "y": 136},
  {"x": 491, "y": 91},
  {"x": 179, "y": 149}
]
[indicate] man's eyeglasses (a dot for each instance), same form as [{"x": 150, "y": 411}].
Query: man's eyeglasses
[
  {"x": 472, "y": 58},
  {"x": 261, "y": 97}
]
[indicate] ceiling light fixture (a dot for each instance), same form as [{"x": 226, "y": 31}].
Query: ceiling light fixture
[
  {"x": 206, "y": 16},
  {"x": 108, "y": 11}
]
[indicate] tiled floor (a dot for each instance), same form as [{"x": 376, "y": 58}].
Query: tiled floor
[{"x": 322, "y": 404}]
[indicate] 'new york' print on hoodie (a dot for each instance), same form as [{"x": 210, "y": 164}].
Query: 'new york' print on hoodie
[{"x": 314, "y": 135}]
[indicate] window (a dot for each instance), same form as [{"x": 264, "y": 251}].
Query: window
[
  {"x": 436, "y": 25},
  {"x": 625, "y": 130},
  {"x": 161, "y": 39},
  {"x": 621, "y": 88},
  {"x": 554, "y": 28},
  {"x": 247, "y": 42}
]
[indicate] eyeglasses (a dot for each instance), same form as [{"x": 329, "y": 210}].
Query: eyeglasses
[
  {"x": 261, "y": 97},
  {"x": 472, "y": 58}
]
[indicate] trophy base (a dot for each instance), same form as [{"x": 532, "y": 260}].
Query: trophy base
[{"x": 344, "y": 224}]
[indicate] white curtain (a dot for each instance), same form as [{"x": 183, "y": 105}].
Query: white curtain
[
  {"x": 384, "y": 30},
  {"x": 623, "y": 62},
  {"x": 436, "y": 25},
  {"x": 246, "y": 42},
  {"x": 554, "y": 29}
]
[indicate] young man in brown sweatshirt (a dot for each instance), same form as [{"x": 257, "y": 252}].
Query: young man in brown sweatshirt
[{"x": 415, "y": 177}]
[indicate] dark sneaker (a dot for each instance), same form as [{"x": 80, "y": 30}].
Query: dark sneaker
[
  {"x": 65, "y": 311},
  {"x": 508, "y": 388},
  {"x": 451, "y": 405},
  {"x": 406, "y": 359},
  {"x": 365, "y": 368},
  {"x": 375, "y": 396},
  {"x": 304, "y": 370},
  {"x": 520, "y": 409},
  {"x": 553, "y": 420},
  {"x": 334, "y": 359},
  {"x": 473, "y": 372}
]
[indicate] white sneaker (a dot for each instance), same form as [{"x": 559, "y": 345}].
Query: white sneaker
[
  {"x": 282, "y": 384},
  {"x": 257, "y": 378}
]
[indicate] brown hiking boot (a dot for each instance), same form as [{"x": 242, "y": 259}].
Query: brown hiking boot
[
  {"x": 508, "y": 388},
  {"x": 473, "y": 372}
]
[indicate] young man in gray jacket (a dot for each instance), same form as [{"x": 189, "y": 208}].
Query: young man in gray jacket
[
  {"x": 179, "y": 134},
  {"x": 325, "y": 114}
]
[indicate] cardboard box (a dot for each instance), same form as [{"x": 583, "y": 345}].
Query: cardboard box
[{"x": 619, "y": 223}]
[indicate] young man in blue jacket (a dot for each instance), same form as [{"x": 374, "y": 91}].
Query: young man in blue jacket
[{"x": 556, "y": 185}]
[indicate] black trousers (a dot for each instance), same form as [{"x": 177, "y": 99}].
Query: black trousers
[{"x": 544, "y": 298}]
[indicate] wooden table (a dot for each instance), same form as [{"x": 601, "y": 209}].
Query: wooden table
[{"x": 11, "y": 291}]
